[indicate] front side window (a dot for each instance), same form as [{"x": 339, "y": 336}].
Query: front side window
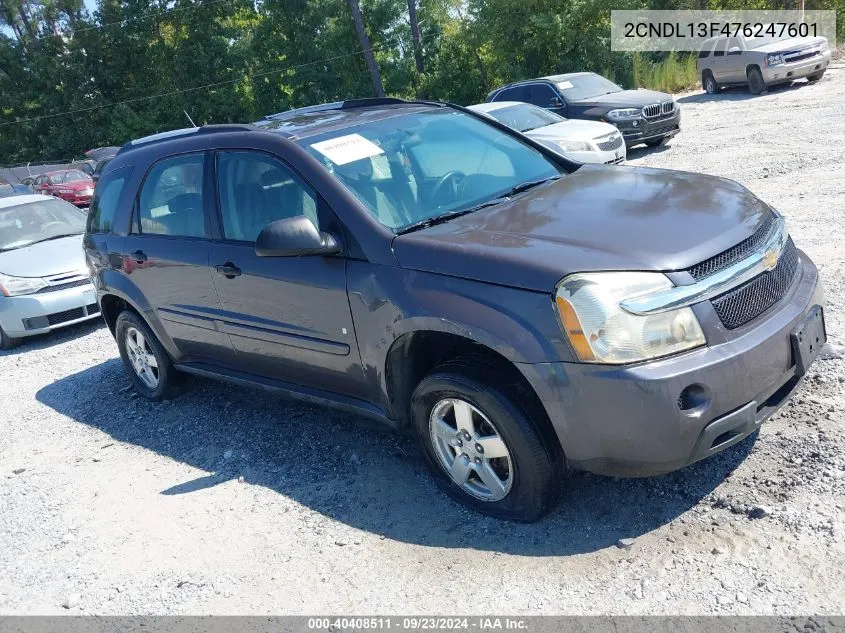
[
  {"x": 524, "y": 117},
  {"x": 171, "y": 200},
  {"x": 721, "y": 47},
  {"x": 254, "y": 190},
  {"x": 40, "y": 221},
  {"x": 409, "y": 168},
  {"x": 543, "y": 96}
]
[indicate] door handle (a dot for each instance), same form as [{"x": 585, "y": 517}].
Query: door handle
[
  {"x": 139, "y": 256},
  {"x": 228, "y": 270}
]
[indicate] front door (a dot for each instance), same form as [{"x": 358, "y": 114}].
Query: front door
[
  {"x": 288, "y": 317},
  {"x": 166, "y": 257}
]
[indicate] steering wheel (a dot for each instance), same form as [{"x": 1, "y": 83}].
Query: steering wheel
[{"x": 454, "y": 178}]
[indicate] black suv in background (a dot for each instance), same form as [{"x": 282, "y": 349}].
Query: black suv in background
[
  {"x": 643, "y": 116},
  {"x": 424, "y": 265}
]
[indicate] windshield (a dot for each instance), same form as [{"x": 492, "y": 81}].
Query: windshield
[
  {"x": 524, "y": 117},
  {"x": 580, "y": 87},
  {"x": 70, "y": 176},
  {"x": 409, "y": 168},
  {"x": 31, "y": 222}
]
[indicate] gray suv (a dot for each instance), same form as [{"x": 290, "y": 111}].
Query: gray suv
[
  {"x": 422, "y": 264},
  {"x": 760, "y": 62}
]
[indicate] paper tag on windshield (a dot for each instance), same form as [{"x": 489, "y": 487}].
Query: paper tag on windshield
[
  {"x": 347, "y": 149},
  {"x": 565, "y": 85}
]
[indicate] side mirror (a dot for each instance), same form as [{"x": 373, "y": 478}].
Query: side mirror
[
  {"x": 555, "y": 103},
  {"x": 292, "y": 237},
  {"x": 735, "y": 50}
]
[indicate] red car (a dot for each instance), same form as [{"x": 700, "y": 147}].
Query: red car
[{"x": 72, "y": 185}]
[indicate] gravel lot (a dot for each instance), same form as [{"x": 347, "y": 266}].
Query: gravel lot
[{"x": 234, "y": 501}]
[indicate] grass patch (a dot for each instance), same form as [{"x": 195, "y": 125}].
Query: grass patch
[{"x": 675, "y": 73}]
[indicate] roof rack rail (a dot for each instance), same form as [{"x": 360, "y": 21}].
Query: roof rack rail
[
  {"x": 347, "y": 104},
  {"x": 205, "y": 129}
]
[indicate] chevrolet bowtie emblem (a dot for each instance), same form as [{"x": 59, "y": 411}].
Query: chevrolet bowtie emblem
[{"x": 770, "y": 259}]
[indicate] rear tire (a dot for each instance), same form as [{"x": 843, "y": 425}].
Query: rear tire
[
  {"x": 146, "y": 361},
  {"x": 708, "y": 82},
  {"x": 463, "y": 397},
  {"x": 756, "y": 84},
  {"x": 815, "y": 77},
  {"x": 8, "y": 342}
]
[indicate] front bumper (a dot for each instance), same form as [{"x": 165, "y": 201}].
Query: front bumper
[
  {"x": 627, "y": 420},
  {"x": 609, "y": 157},
  {"x": 797, "y": 70},
  {"x": 79, "y": 200},
  {"x": 642, "y": 129},
  {"x": 42, "y": 312}
]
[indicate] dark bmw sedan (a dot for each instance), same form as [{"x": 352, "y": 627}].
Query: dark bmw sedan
[
  {"x": 643, "y": 116},
  {"x": 426, "y": 266}
]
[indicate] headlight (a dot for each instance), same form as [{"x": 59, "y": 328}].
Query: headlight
[
  {"x": 600, "y": 331},
  {"x": 824, "y": 46},
  {"x": 575, "y": 146},
  {"x": 65, "y": 190},
  {"x": 13, "y": 286},
  {"x": 624, "y": 114},
  {"x": 774, "y": 59}
]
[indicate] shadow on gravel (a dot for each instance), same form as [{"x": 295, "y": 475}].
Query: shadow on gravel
[
  {"x": 42, "y": 341},
  {"x": 360, "y": 473},
  {"x": 739, "y": 93}
]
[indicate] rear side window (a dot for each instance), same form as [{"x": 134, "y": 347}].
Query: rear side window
[
  {"x": 104, "y": 203},
  {"x": 517, "y": 93},
  {"x": 171, "y": 201},
  {"x": 721, "y": 47}
]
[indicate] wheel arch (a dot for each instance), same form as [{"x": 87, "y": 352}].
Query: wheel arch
[{"x": 415, "y": 353}]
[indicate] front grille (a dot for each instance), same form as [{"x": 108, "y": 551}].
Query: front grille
[
  {"x": 735, "y": 253},
  {"x": 93, "y": 308},
  {"x": 797, "y": 56},
  {"x": 611, "y": 144},
  {"x": 652, "y": 110},
  {"x": 656, "y": 109},
  {"x": 748, "y": 301},
  {"x": 73, "y": 284},
  {"x": 66, "y": 315}
]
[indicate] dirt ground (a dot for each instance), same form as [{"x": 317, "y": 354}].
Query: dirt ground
[{"x": 234, "y": 501}]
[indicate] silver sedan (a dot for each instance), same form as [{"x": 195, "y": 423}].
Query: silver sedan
[{"x": 44, "y": 282}]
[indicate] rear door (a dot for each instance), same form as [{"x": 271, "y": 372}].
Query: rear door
[
  {"x": 166, "y": 256},
  {"x": 288, "y": 317}
]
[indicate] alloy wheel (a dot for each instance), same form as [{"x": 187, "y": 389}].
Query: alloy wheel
[
  {"x": 470, "y": 449},
  {"x": 142, "y": 357}
]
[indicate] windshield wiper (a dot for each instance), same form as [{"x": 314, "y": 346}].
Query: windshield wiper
[
  {"x": 54, "y": 237},
  {"x": 449, "y": 215}
]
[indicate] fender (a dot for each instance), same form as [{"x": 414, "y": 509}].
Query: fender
[
  {"x": 389, "y": 302},
  {"x": 111, "y": 282}
]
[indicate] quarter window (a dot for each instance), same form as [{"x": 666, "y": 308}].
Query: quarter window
[
  {"x": 171, "y": 201},
  {"x": 104, "y": 204},
  {"x": 256, "y": 190}
]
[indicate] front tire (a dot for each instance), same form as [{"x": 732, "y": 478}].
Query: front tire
[
  {"x": 815, "y": 77},
  {"x": 708, "y": 81},
  {"x": 146, "y": 361},
  {"x": 8, "y": 342},
  {"x": 756, "y": 84},
  {"x": 658, "y": 142},
  {"x": 482, "y": 448}
]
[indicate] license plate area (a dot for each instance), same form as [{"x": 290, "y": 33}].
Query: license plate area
[{"x": 807, "y": 340}]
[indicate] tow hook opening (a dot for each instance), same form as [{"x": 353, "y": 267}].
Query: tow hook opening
[{"x": 694, "y": 399}]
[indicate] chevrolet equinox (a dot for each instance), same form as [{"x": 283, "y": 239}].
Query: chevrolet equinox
[{"x": 424, "y": 265}]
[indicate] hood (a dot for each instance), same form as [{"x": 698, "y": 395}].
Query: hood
[
  {"x": 789, "y": 45},
  {"x": 626, "y": 99},
  {"x": 572, "y": 130},
  {"x": 45, "y": 259},
  {"x": 597, "y": 218}
]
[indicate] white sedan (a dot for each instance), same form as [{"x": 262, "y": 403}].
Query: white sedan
[{"x": 584, "y": 141}]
